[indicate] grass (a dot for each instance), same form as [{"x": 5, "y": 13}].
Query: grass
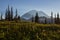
[{"x": 11, "y": 30}]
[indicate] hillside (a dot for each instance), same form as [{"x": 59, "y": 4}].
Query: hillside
[{"x": 28, "y": 31}]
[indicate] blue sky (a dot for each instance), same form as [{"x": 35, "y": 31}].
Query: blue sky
[{"x": 24, "y": 6}]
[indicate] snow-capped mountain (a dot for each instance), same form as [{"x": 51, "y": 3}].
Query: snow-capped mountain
[{"x": 31, "y": 13}]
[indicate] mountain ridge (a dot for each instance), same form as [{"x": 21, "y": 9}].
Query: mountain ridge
[{"x": 31, "y": 13}]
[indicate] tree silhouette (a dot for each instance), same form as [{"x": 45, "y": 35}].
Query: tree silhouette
[
  {"x": 45, "y": 20},
  {"x": 16, "y": 15},
  {"x": 6, "y": 15},
  {"x": 37, "y": 18},
  {"x": 32, "y": 19},
  {"x": 11, "y": 13},
  {"x": 57, "y": 18},
  {"x": 1, "y": 16},
  {"x": 51, "y": 17}
]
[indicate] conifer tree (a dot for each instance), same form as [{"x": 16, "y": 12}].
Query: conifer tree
[
  {"x": 45, "y": 20},
  {"x": 9, "y": 16},
  {"x": 57, "y": 18},
  {"x": 32, "y": 19},
  {"x": 6, "y": 15},
  {"x": 1, "y": 16},
  {"x": 18, "y": 17},
  {"x": 11, "y": 13},
  {"x": 51, "y": 17},
  {"x": 37, "y": 18},
  {"x": 16, "y": 13}
]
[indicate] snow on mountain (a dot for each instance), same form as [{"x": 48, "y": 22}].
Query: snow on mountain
[{"x": 31, "y": 13}]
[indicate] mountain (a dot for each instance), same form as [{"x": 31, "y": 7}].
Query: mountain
[
  {"x": 42, "y": 14},
  {"x": 31, "y": 13}
]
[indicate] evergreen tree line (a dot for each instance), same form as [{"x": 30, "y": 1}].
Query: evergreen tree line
[
  {"x": 54, "y": 20},
  {"x": 10, "y": 17},
  {"x": 57, "y": 19}
]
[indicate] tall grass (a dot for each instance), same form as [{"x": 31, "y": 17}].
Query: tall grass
[{"x": 28, "y": 31}]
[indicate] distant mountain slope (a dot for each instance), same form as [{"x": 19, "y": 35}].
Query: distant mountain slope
[{"x": 31, "y": 13}]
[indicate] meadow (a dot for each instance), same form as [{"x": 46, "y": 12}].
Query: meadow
[{"x": 11, "y": 30}]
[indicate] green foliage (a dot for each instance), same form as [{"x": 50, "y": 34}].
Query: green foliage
[{"x": 28, "y": 31}]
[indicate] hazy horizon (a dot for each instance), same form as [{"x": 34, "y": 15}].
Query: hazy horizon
[{"x": 24, "y": 6}]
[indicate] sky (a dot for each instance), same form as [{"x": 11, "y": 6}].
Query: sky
[{"x": 24, "y": 6}]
